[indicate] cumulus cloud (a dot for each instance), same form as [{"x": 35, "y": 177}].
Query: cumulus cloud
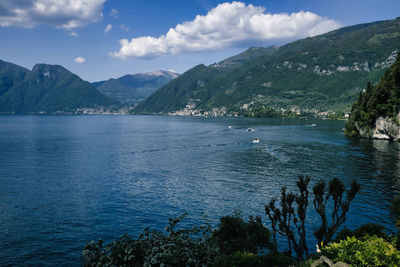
[
  {"x": 114, "y": 13},
  {"x": 227, "y": 25},
  {"x": 65, "y": 14},
  {"x": 80, "y": 60},
  {"x": 108, "y": 28}
]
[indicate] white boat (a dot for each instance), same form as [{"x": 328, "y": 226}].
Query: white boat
[
  {"x": 256, "y": 141},
  {"x": 230, "y": 126},
  {"x": 250, "y": 130}
]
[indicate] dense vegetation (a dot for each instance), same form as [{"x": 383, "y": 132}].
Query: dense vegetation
[
  {"x": 129, "y": 89},
  {"x": 236, "y": 242},
  {"x": 265, "y": 112},
  {"x": 47, "y": 88},
  {"x": 383, "y": 99},
  {"x": 322, "y": 72},
  {"x": 366, "y": 251}
]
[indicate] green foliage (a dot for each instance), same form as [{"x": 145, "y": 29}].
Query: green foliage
[
  {"x": 235, "y": 235},
  {"x": 368, "y": 251},
  {"x": 247, "y": 259},
  {"x": 369, "y": 229},
  {"x": 291, "y": 75},
  {"x": 335, "y": 116},
  {"x": 184, "y": 247},
  {"x": 265, "y": 112},
  {"x": 382, "y": 99},
  {"x": 233, "y": 240}
]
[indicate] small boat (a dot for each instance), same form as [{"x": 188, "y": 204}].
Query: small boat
[
  {"x": 230, "y": 126},
  {"x": 313, "y": 125},
  {"x": 250, "y": 130},
  {"x": 256, "y": 141}
]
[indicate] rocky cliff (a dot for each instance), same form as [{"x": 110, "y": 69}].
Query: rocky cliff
[
  {"x": 376, "y": 114},
  {"x": 385, "y": 129}
]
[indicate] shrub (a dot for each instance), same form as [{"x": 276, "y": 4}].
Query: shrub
[
  {"x": 247, "y": 259},
  {"x": 234, "y": 234},
  {"x": 368, "y": 251},
  {"x": 370, "y": 229},
  {"x": 187, "y": 247}
]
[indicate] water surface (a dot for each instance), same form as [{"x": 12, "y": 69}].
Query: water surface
[{"x": 66, "y": 180}]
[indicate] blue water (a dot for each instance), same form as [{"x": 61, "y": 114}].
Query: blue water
[{"x": 66, "y": 180}]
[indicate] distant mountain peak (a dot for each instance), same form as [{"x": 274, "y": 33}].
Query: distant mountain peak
[
  {"x": 131, "y": 88},
  {"x": 48, "y": 70},
  {"x": 161, "y": 73}
]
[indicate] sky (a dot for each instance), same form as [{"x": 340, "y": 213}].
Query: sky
[{"x": 102, "y": 39}]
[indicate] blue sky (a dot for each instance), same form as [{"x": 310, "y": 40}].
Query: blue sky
[{"x": 85, "y": 35}]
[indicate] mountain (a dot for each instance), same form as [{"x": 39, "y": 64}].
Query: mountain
[
  {"x": 131, "y": 88},
  {"x": 10, "y": 74},
  {"x": 324, "y": 72},
  {"x": 376, "y": 114},
  {"x": 46, "y": 89}
]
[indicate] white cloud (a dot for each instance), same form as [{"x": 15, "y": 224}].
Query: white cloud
[
  {"x": 124, "y": 28},
  {"x": 74, "y": 34},
  {"x": 108, "y": 28},
  {"x": 114, "y": 13},
  {"x": 227, "y": 25},
  {"x": 65, "y": 14},
  {"x": 80, "y": 60}
]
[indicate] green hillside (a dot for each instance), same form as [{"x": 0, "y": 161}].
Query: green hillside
[
  {"x": 322, "y": 72},
  {"x": 46, "y": 89},
  {"x": 381, "y": 100},
  {"x": 131, "y": 88},
  {"x": 10, "y": 74}
]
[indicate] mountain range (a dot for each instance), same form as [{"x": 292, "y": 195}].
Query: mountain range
[
  {"x": 46, "y": 89},
  {"x": 132, "y": 88},
  {"x": 324, "y": 72},
  {"x": 49, "y": 89}
]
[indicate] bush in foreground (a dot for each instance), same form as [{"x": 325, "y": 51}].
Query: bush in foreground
[
  {"x": 247, "y": 259},
  {"x": 235, "y": 241},
  {"x": 367, "y": 251},
  {"x": 235, "y": 235}
]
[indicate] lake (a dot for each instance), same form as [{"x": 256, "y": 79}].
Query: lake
[{"x": 66, "y": 180}]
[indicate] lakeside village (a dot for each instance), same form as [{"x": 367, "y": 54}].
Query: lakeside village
[
  {"x": 247, "y": 111},
  {"x": 190, "y": 110}
]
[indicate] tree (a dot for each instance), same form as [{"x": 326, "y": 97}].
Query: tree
[
  {"x": 334, "y": 191},
  {"x": 289, "y": 221}
]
